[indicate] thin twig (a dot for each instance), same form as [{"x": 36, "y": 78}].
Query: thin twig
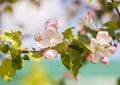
[
  {"x": 29, "y": 51},
  {"x": 117, "y": 10}
]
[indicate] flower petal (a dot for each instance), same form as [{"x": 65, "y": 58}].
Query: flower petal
[
  {"x": 57, "y": 39},
  {"x": 103, "y": 38},
  {"x": 93, "y": 43},
  {"x": 96, "y": 57},
  {"x": 105, "y": 52},
  {"x": 112, "y": 49},
  {"x": 44, "y": 43},
  {"x": 47, "y": 34},
  {"x": 51, "y": 24}
]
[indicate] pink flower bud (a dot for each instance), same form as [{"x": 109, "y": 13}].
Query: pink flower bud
[
  {"x": 42, "y": 51},
  {"x": 50, "y": 54},
  {"x": 51, "y": 23},
  {"x": 105, "y": 60},
  {"x": 115, "y": 45},
  {"x": 90, "y": 14},
  {"x": 38, "y": 37}
]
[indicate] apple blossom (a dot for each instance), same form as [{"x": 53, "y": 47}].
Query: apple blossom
[
  {"x": 49, "y": 37},
  {"x": 101, "y": 48}
]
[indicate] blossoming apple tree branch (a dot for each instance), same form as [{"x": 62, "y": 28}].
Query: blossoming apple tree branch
[{"x": 90, "y": 44}]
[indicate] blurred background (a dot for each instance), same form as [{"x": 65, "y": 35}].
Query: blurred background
[{"x": 29, "y": 16}]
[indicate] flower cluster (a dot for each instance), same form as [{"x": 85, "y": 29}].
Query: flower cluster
[
  {"x": 48, "y": 38},
  {"x": 101, "y": 48}
]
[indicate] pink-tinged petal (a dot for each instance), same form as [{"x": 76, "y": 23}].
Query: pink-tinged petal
[
  {"x": 96, "y": 57},
  {"x": 38, "y": 37},
  {"x": 50, "y": 54},
  {"x": 51, "y": 23},
  {"x": 112, "y": 49},
  {"x": 47, "y": 34},
  {"x": 44, "y": 43},
  {"x": 105, "y": 52},
  {"x": 103, "y": 38},
  {"x": 105, "y": 60},
  {"x": 93, "y": 43},
  {"x": 57, "y": 39}
]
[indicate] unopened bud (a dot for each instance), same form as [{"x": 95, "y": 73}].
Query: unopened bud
[
  {"x": 50, "y": 54},
  {"x": 105, "y": 60}
]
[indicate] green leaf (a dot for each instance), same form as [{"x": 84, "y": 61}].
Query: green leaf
[
  {"x": 14, "y": 52},
  {"x": 36, "y": 56},
  {"x": 14, "y": 37},
  {"x": 4, "y": 48},
  {"x": 68, "y": 33},
  {"x": 17, "y": 63},
  {"x": 6, "y": 38},
  {"x": 62, "y": 48},
  {"x": 92, "y": 32},
  {"x": 84, "y": 41},
  {"x": 113, "y": 4},
  {"x": 112, "y": 25},
  {"x": 6, "y": 70},
  {"x": 118, "y": 37},
  {"x": 66, "y": 60},
  {"x": 110, "y": 31},
  {"x": 26, "y": 57},
  {"x": 72, "y": 61}
]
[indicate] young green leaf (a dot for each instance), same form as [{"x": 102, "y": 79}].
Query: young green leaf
[
  {"x": 114, "y": 25},
  {"x": 6, "y": 70},
  {"x": 14, "y": 37},
  {"x": 62, "y": 48},
  {"x": 72, "y": 61},
  {"x": 68, "y": 33},
  {"x": 36, "y": 56},
  {"x": 14, "y": 52},
  {"x": 26, "y": 57},
  {"x": 113, "y": 4},
  {"x": 91, "y": 31},
  {"x": 118, "y": 37},
  {"x": 84, "y": 41},
  {"x": 4, "y": 48},
  {"x": 17, "y": 63}
]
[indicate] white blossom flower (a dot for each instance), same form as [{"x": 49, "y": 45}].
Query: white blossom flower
[
  {"x": 49, "y": 37},
  {"x": 101, "y": 48},
  {"x": 50, "y": 54}
]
